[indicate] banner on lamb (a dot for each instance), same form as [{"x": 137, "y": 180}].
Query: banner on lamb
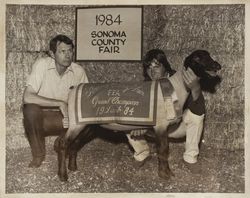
[{"x": 124, "y": 103}]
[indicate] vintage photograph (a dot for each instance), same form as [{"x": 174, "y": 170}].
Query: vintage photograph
[{"x": 125, "y": 98}]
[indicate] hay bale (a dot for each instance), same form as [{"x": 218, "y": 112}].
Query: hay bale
[
  {"x": 113, "y": 72},
  {"x": 18, "y": 66},
  {"x": 28, "y": 31}
]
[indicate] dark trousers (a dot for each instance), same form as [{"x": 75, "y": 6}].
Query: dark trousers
[{"x": 40, "y": 122}]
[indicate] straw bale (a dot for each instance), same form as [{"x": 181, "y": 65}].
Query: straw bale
[
  {"x": 29, "y": 28},
  {"x": 18, "y": 67},
  {"x": 192, "y": 27},
  {"x": 42, "y": 13},
  {"x": 113, "y": 72},
  {"x": 221, "y": 135}
]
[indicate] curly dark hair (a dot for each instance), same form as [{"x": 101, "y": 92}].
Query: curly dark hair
[{"x": 160, "y": 56}]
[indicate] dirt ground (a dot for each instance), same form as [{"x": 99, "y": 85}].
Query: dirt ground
[{"x": 106, "y": 166}]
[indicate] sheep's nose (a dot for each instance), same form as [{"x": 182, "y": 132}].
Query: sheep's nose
[{"x": 217, "y": 65}]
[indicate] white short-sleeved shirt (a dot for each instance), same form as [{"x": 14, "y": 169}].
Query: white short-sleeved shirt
[{"x": 46, "y": 81}]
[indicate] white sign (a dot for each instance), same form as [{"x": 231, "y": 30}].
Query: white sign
[{"x": 109, "y": 33}]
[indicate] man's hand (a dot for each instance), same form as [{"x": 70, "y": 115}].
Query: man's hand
[
  {"x": 65, "y": 123},
  {"x": 138, "y": 132},
  {"x": 192, "y": 82},
  {"x": 64, "y": 109}
]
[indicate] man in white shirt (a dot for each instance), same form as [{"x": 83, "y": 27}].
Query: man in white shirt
[{"x": 46, "y": 94}]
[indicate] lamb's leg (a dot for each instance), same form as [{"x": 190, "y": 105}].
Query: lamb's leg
[
  {"x": 61, "y": 155},
  {"x": 64, "y": 143},
  {"x": 163, "y": 152},
  {"x": 84, "y": 137}
]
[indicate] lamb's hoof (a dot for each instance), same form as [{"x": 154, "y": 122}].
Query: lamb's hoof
[
  {"x": 72, "y": 167},
  {"x": 36, "y": 162},
  {"x": 165, "y": 173},
  {"x": 63, "y": 177}
]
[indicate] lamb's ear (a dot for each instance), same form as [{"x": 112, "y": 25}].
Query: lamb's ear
[
  {"x": 188, "y": 61},
  {"x": 196, "y": 59},
  {"x": 193, "y": 64}
]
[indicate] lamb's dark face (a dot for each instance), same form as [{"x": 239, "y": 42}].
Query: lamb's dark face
[{"x": 206, "y": 68}]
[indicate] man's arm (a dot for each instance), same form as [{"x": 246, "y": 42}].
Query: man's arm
[{"x": 30, "y": 96}]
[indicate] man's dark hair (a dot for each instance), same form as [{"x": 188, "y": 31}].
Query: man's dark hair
[
  {"x": 59, "y": 39},
  {"x": 160, "y": 56}
]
